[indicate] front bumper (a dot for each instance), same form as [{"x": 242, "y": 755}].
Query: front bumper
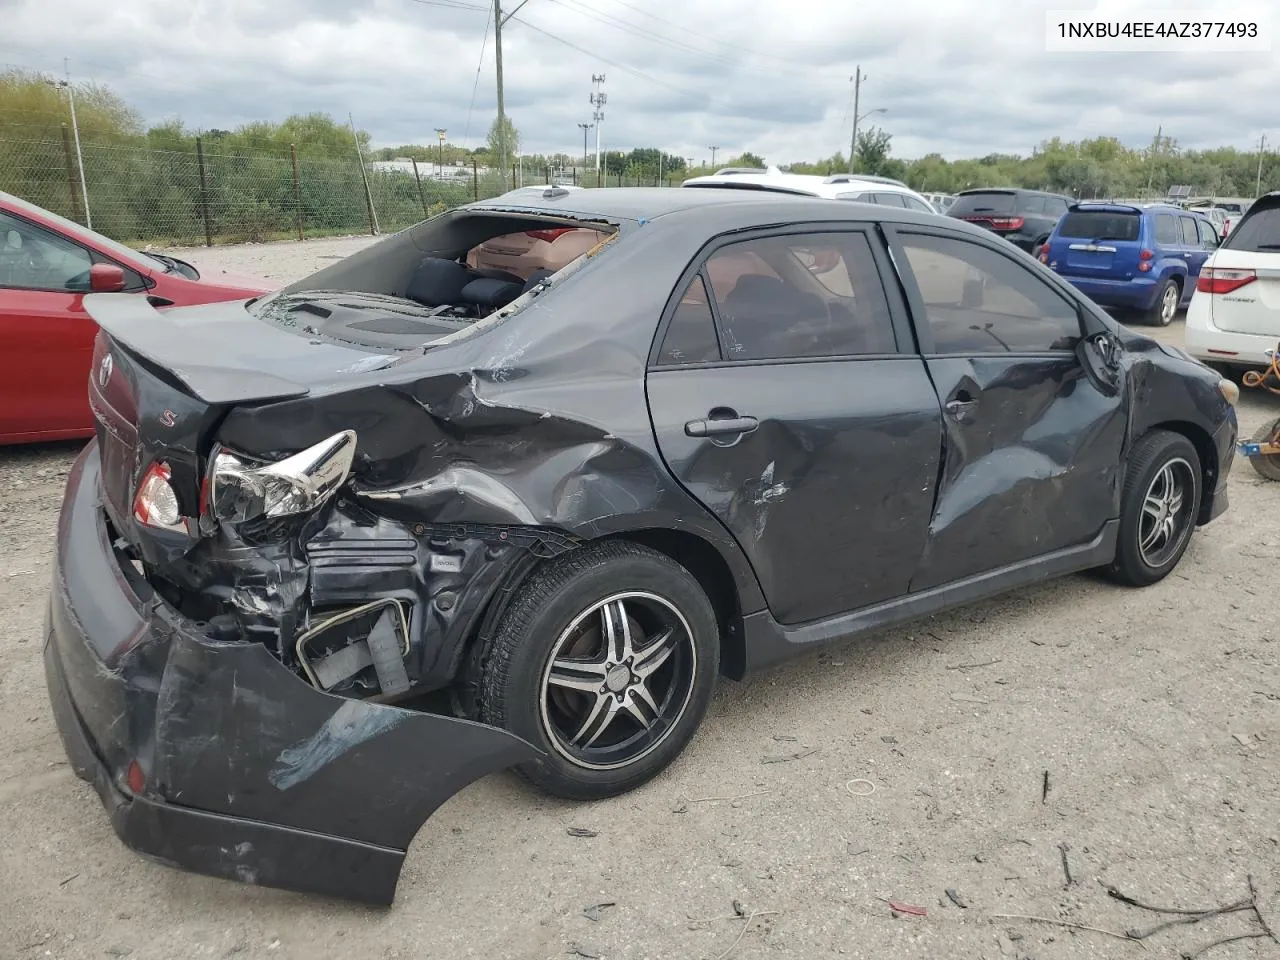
[
  {"x": 246, "y": 771},
  {"x": 1224, "y": 442}
]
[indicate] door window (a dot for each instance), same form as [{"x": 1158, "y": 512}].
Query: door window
[
  {"x": 1189, "y": 236},
  {"x": 800, "y": 295},
  {"x": 1055, "y": 206},
  {"x": 691, "y": 337},
  {"x": 1167, "y": 229},
  {"x": 1208, "y": 234},
  {"x": 35, "y": 259},
  {"x": 979, "y": 301}
]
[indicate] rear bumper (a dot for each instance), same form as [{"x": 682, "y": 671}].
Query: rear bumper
[
  {"x": 247, "y": 772},
  {"x": 1204, "y": 341},
  {"x": 1136, "y": 294}
]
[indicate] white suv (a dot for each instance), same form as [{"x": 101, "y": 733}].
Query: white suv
[
  {"x": 1234, "y": 316},
  {"x": 841, "y": 186}
]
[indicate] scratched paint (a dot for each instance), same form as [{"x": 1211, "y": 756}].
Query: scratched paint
[{"x": 352, "y": 724}]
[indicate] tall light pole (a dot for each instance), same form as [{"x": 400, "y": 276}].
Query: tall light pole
[
  {"x": 75, "y": 128},
  {"x": 441, "y": 134},
  {"x": 585, "y": 127},
  {"x": 498, "y": 21},
  {"x": 1262, "y": 152},
  {"x": 713, "y": 158},
  {"x": 598, "y": 99}
]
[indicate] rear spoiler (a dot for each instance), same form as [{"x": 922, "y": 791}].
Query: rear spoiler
[{"x": 161, "y": 339}]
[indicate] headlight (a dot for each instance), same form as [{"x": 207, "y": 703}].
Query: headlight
[
  {"x": 1230, "y": 390},
  {"x": 240, "y": 491}
]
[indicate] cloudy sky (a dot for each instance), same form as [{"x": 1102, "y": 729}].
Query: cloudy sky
[{"x": 961, "y": 77}]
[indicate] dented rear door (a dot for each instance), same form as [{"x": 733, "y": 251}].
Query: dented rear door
[
  {"x": 810, "y": 435},
  {"x": 1031, "y": 449}
]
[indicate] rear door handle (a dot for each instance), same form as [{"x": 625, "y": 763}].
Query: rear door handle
[{"x": 720, "y": 427}]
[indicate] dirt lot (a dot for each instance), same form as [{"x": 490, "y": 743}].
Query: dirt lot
[{"x": 1156, "y": 714}]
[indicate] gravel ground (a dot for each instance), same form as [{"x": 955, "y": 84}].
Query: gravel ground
[{"x": 1153, "y": 711}]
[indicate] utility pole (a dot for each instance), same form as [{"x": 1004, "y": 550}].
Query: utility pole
[
  {"x": 585, "y": 127},
  {"x": 502, "y": 112},
  {"x": 713, "y": 158},
  {"x": 441, "y": 134},
  {"x": 75, "y": 128},
  {"x": 857, "y": 79},
  {"x": 1151, "y": 159},
  {"x": 598, "y": 99},
  {"x": 1262, "y": 150}
]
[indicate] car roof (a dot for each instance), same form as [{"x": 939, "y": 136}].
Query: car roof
[
  {"x": 715, "y": 211},
  {"x": 1027, "y": 190},
  {"x": 804, "y": 183}
]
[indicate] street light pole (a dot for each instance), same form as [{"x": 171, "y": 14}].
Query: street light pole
[
  {"x": 1262, "y": 151},
  {"x": 441, "y": 134},
  {"x": 713, "y": 157},
  {"x": 857, "y": 79},
  {"x": 585, "y": 127},
  {"x": 75, "y": 129}
]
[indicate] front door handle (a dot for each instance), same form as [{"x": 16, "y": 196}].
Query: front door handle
[
  {"x": 963, "y": 405},
  {"x": 720, "y": 426}
]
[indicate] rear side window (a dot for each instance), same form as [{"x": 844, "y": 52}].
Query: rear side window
[
  {"x": 914, "y": 204},
  {"x": 1189, "y": 235},
  {"x": 979, "y": 301},
  {"x": 1258, "y": 232},
  {"x": 1167, "y": 229},
  {"x": 1055, "y": 206},
  {"x": 800, "y": 296},
  {"x": 984, "y": 202},
  {"x": 890, "y": 200},
  {"x": 1030, "y": 204},
  {"x": 1100, "y": 225},
  {"x": 691, "y": 337}
]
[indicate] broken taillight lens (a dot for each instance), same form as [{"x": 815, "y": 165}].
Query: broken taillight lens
[
  {"x": 156, "y": 502},
  {"x": 239, "y": 490}
]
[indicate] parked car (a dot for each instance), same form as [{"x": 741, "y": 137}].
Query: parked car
[
  {"x": 1023, "y": 217},
  {"x": 47, "y": 265},
  {"x": 1138, "y": 258},
  {"x": 1234, "y": 317},
  {"x": 941, "y": 201},
  {"x": 841, "y": 186},
  {"x": 565, "y": 510},
  {"x": 1220, "y": 219}
]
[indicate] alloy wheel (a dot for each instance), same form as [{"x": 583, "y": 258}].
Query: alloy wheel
[
  {"x": 1166, "y": 513},
  {"x": 1169, "y": 305},
  {"x": 617, "y": 680}
]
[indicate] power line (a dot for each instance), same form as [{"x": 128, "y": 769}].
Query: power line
[
  {"x": 466, "y": 135},
  {"x": 684, "y": 28},
  {"x": 641, "y": 32},
  {"x": 454, "y": 5},
  {"x": 596, "y": 56}
]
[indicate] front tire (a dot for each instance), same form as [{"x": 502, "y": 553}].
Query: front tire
[
  {"x": 1158, "y": 508},
  {"x": 605, "y": 660}
]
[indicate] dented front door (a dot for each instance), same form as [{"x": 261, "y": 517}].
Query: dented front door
[
  {"x": 1031, "y": 450},
  {"x": 823, "y": 468}
]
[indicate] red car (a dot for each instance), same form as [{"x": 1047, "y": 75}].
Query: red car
[{"x": 47, "y": 265}]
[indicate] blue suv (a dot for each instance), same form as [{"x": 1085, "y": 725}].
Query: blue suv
[{"x": 1143, "y": 258}]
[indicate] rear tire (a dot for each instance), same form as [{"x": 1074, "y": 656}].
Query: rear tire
[
  {"x": 605, "y": 660},
  {"x": 1162, "y": 312},
  {"x": 1158, "y": 508}
]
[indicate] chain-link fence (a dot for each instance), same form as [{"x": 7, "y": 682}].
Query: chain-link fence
[{"x": 202, "y": 196}]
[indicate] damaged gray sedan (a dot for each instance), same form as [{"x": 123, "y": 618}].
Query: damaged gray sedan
[{"x": 339, "y": 551}]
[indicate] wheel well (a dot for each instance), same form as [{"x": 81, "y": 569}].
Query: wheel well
[
  {"x": 1208, "y": 454},
  {"x": 712, "y": 573}
]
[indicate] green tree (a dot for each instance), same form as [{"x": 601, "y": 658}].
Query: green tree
[
  {"x": 504, "y": 140},
  {"x": 873, "y": 150}
]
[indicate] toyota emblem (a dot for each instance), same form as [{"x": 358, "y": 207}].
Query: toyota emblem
[{"x": 104, "y": 370}]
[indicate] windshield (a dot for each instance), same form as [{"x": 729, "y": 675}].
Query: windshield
[
  {"x": 1258, "y": 232},
  {"x": 73, "y": 229},
  {"x": 1100, "y": 225},
  {"x": 1000, "y": 202}
]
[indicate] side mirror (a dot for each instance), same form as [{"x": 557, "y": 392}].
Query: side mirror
[
  {"x": 106, "y": 278},
  {"x": 1099, "y": 354}
]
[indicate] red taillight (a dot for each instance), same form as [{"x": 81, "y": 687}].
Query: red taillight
[
  {"x": 156, "y": 502},
  {"x": 1221, "y": 280},
  {"x": 134, "y": 779},
  {"x": 1146, "y": 255},
  {"x": 547, "y": 235},
  {"x": 1007, "y": 223},
  {"x": 1144, "y": 259},
  {"x": 1044, "y": 254}
]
